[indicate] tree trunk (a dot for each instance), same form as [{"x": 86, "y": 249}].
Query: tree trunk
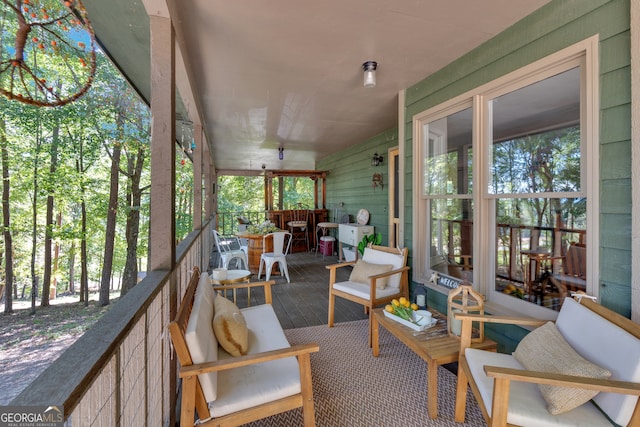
[
  {"x": 56, "y": 259},
  {"x": 134, "y": 195},
  {"x": 48, "y": 240},
  {"x": 84, "y": 273},
  {"x": 34, "y": 226},
  {"x": 72, "y": 268},
  {"x": 6, "y": 222},
  {"x": 110, "y": 233},
  {"x": 84, "y": 276}
]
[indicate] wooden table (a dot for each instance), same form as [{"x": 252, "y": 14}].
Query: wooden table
[
  {"x": 536, "y": 259},
  {"x": 433, "y": 345},
  {"x": 235, "y": 276},
  {"x": 255, "y": 249}
]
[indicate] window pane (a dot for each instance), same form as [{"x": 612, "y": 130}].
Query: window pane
[
  {"x": 452, "y": 237},
  {"x": 536, "y": 137},
  {"x": 447, "y": 158},
  {"x": 541, "y": 252}
]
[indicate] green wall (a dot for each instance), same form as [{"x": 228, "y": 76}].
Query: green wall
[
  {"x": 557, "y": 25},
  {"x": 349, "y": 180}
]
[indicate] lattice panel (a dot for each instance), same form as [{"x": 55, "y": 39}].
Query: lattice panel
[
  {"x": 132, "y": 376},
  {"x": 155, "y": 347},
  {"x": 98, "y": 406}
]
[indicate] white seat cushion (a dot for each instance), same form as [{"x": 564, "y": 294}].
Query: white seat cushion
[
  {"x": 606, "y": 345},
  {"x": 199, "y": 336},
  {"x": 362, "y": 290},
  {"x": 527, "y": 407},
  {"x": 375, "y": 256},
  {"x": 254, "y": 385}
]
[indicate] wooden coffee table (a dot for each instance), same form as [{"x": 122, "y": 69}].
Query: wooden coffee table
[{"x": 433, "y": 345}]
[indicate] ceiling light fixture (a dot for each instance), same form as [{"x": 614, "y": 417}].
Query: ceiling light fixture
[
  {"x": 369, "y": 68},
  {"x": 281, "y": 153}
]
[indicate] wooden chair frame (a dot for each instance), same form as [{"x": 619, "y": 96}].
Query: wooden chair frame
[
  {"x": 373, "y": 302},
  {"x": 504, "y": 376},
  {"x": 193, "y": 399}
]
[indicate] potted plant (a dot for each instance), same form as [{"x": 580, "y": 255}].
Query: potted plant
[{"x": 374, "y": 238}]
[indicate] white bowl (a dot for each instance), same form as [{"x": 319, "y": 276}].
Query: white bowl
[
  {"x": 219, "y": 274},
  {"x": 422, "y": 316}
]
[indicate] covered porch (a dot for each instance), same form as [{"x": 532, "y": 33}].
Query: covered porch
[{"x": 122, "y": 372}]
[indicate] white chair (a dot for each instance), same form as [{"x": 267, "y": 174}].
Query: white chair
[
  {"x": 281, "y": 246},
  {"x": 380, "y": 276},
  {"x": 229, "y": 248}
]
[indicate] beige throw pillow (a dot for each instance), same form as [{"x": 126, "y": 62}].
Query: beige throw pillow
[
  {"x": 230, "y": 327},
  {"x": 546, "y": 350},
  {"x": 362, "y": 270}
]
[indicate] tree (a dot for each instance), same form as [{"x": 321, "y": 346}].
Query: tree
[
  {"x": 137, "y": 153},
  {"x": 6, "y": 222},
  {"x": 53, "y": 165},
  {"x": 110, "y": 233}
]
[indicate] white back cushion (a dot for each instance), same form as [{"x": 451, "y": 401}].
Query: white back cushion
[
  {"x": 201, "y": 341},
  {"x": 607, "y": 345},
  {"x": 375, "y": 256},
  {"x": 205, "y": 289}
]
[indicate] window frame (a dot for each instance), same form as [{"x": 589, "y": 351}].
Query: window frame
[{"x": 583, "y": 54}]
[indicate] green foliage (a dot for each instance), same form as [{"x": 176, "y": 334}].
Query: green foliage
[
  {"x": 374, "y": 239},
  {"x": 87, "y": 130}
]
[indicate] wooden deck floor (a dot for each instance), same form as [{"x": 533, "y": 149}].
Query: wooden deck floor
[{"x": 304, "y": 301}]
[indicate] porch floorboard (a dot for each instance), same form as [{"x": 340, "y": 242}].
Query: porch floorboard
[{"x": 305, "y": 301}]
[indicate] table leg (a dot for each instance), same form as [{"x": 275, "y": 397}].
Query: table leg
[
  {"x": 375, "y": 336},
  {"x": 432, "y": 389}
]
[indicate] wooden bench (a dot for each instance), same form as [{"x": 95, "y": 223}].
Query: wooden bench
[{"x": 241, "y": 381}]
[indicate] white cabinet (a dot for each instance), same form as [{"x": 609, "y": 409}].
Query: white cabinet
[{"x": 352, "y": 234}]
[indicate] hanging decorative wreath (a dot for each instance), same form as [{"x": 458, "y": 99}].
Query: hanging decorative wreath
[{"x": 47, "y": 56}]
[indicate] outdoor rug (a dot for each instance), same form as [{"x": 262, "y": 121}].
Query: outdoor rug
[{"x": 353, "y": 388}]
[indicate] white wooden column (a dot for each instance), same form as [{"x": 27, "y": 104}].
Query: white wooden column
[
  {"x": 635, "y": 161},
  {"x": 162, "y": 241},
  {"x": 197, "y": 177}
]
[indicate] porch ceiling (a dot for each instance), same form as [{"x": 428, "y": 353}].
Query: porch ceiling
[{"x": 265, "y": 74}]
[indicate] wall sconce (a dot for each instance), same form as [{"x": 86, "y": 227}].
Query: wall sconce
[
  {"x": 376, "y": 160},
  {"x": 369, "y": 68},
  {"x": 281, "y": 153},
  {"x": 377, "y": 180}
]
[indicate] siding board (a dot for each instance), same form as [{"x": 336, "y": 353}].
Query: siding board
[
  {"x": 615, "y": 162},
  {"x": 616, "y": 198}
]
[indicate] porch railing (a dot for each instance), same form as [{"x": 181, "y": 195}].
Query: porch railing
[
  {"x": 228, "y": 221},
  {"x": 454, "y": 238},
  {"x": 121, "y": 371}
]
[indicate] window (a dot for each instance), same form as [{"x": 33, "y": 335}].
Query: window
[{"x": 505, "y": 201}]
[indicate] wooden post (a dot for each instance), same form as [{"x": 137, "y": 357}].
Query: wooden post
[
  {"x": 209, "y": 198},
  {"x": 197, "y": 177},
  {"x": 163, "y": 152}
]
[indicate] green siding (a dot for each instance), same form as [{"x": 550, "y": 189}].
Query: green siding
[
  {"x": 555, "y": 26},
  {"x": 349, "y": 180}
]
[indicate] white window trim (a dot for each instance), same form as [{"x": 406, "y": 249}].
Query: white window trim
[{"x": 586, "y": 52}]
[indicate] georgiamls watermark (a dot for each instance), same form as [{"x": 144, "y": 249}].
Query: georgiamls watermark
[{"x": 31, "y": 416}]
